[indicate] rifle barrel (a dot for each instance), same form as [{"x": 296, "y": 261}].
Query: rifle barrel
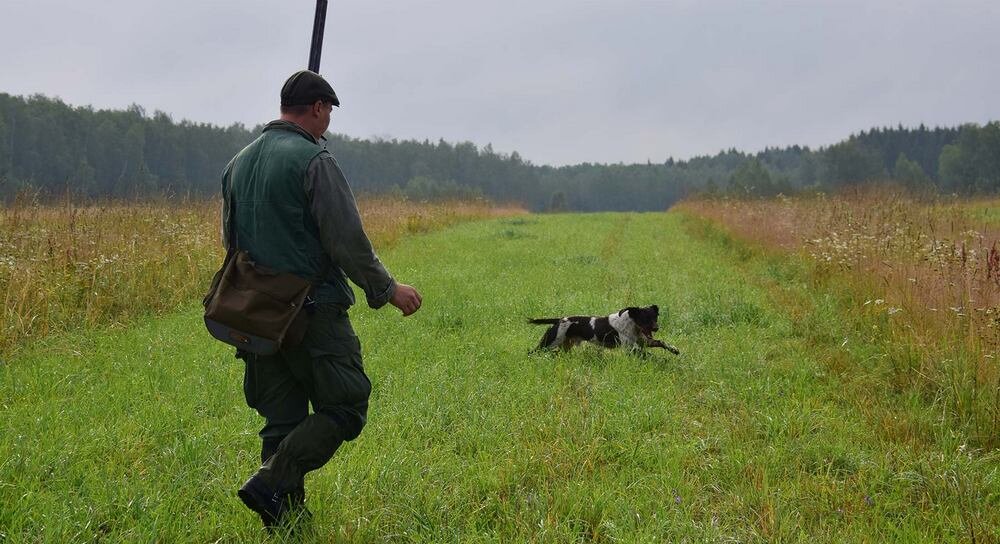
[{"x": 317, "y": 38}]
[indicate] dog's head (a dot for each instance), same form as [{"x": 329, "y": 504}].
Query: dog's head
[{"x": 645, "y": 319}]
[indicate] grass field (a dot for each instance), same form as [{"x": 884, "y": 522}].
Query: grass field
[{"x": 779, "y": 422}]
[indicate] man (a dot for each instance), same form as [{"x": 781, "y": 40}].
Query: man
[{"x": 294, "y": 212}]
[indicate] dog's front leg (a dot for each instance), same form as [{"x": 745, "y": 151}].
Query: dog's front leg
[{"x": 653, "y": 343}]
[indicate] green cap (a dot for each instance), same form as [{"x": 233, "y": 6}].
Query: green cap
[{"x": 306, "y": 87}]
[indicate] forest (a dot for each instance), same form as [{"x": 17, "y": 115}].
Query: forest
[{"x": 54, "y": 148}]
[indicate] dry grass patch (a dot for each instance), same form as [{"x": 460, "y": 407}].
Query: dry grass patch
[
  {"x": 70, "y": 264},
  {"x": 924, "y": 273}
]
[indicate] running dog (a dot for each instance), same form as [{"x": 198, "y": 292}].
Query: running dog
[{"x": 631, "y": 327}]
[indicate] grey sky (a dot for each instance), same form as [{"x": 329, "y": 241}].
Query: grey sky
[{"x": 559, "y": 81}]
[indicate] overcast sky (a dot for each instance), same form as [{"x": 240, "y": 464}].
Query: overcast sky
[{"x": 559, "y": 81}]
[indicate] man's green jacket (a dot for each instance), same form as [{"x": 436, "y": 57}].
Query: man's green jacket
[{"x": 294, "y": 212}]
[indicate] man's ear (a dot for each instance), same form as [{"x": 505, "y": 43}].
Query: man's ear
[{"x": 317, "y": 108}]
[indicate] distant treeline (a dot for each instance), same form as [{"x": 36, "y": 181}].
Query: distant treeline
[{"x": 49, "y": 146}]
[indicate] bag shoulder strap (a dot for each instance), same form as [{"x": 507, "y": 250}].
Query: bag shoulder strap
[{"x": 231, "y": 222}]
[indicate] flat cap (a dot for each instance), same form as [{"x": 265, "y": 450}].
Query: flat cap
[{"x": 305, "y": 87}]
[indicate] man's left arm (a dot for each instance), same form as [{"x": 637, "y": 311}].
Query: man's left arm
[{"x": 341, "y": 232}]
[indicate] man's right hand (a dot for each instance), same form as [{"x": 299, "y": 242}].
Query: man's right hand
[{"x": 406, "y": 298}]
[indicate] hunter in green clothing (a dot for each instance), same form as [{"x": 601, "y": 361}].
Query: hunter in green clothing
[{"x": 294, "y": 212}]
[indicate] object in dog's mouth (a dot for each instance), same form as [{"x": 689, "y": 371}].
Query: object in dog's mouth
[{"x": 630, "y": 327}]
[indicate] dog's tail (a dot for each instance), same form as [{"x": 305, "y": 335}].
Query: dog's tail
[{"x": 545, "y": 320}]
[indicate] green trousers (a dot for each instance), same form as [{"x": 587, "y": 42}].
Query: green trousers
[{"x": 324, "y": 370}]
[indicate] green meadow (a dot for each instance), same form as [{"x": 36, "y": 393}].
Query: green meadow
[{"x": 777, "y": 423}]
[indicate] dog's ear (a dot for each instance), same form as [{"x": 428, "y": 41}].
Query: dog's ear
[
  {"x": 656, "y": 309},
  {"x": 631, "y": 311}
]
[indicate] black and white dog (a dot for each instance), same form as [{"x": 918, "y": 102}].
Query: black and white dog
[{"x": 631, "y": 327}]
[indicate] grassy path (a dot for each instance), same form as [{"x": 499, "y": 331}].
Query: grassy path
[{"x": 142, "y": 434}]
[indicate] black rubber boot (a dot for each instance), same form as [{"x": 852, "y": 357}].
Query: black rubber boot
[
  {"x": 272, "y": 506},
  {"x": 296, "y": 498}
]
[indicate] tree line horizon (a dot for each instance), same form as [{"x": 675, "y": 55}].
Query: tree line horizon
[{"x": 53, "y": 148}]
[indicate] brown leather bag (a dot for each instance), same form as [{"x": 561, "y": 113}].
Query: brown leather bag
[{"x": 254, "y": 308}]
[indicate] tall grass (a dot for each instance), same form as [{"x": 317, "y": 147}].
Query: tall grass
[
  {"x": 924, "y": 273},
  {"x": 71, "y": 264}
]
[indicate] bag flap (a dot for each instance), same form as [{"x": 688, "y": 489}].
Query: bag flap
[{"x": 248, "y": 275}]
